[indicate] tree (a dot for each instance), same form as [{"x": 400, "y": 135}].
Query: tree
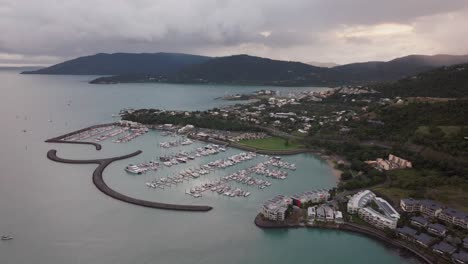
[{"x": 346, "y": 176}]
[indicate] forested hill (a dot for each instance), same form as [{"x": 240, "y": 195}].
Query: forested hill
[
  {"x": 124, "y": 63},
  {"x": 240, "y": 69},
  {"x": 378, "y": 71},
  {"x": 446, "y": 82}
]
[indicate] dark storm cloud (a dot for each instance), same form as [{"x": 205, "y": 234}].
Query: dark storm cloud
[{"x": 51, "y": 30}]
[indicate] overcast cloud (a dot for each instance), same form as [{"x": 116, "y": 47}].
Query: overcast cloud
[{"x": 341, "y": 31}]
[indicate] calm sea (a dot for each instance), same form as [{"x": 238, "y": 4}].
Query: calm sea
[{"x": 56, "y": 215}]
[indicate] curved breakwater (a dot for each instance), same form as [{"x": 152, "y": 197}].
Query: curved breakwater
[{"x": 103, "y": 187}]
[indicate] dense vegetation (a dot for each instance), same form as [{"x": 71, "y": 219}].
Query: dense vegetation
[
  {"x": 198, "y": 119},
  {"x": 442, "y": 82}
]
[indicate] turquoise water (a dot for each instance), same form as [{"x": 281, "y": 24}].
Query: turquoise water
[{"x": 57, "y": 215}]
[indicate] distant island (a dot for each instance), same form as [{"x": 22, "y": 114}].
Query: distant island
[{"x": 241, "y": 69}]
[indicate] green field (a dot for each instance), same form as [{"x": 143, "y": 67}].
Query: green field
[
  {"x": 448, "y": 130},
  {"x": 271, "y": 143}
]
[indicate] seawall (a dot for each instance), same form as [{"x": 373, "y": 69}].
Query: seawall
[{"x": 349, "y": 227}]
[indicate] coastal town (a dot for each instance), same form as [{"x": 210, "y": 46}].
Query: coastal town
[
  {"x": 272, "y": 125},
  {"x": 435, "y": 232}
]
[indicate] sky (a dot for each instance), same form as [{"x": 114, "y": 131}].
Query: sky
[{"x": 44, "y": 32}]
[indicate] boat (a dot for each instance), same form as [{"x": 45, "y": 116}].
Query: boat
[
  {"x": 4, "y": 237},
  {"x": 133, "y": 169}
]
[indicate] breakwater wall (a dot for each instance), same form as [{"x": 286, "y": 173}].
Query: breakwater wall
[
  {"x": 59, "y": 139},
  {"x": 103, "y": 187}
]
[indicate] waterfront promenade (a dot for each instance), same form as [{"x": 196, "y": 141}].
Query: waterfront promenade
[{"x": 103, "y": 187}]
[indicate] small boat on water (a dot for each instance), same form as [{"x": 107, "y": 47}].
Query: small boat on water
[{"x": 4, "y": 237}]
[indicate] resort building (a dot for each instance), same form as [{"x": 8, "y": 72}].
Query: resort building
[
  {"x": 320, "y": 214},
  {"x": 384, "y": 216},
  {"x": 359, "y": 200},
  {"x": 430, "y": 208},
  {"x": 377, "y": 219},
  {"x": 410, "y": 205},
  {"x": 423, "y": 239},
  {"x": 455, "y": 217},
  {"x": 419, "y": 221},
  {"x": 444, "y": 248},
  {"x": 275, "y": 209},
  {"x": 311, "y": 213},
  {"x": 393, "y": 162},
  {"x": 406, "y": 233},
  {"x": 427, "y": 207},
  {"x": 315, "y": 197},
  {"x": 387, "y": 209},
  {"x": 437, "y": 229},
  {"x": 329, "y": 214},
  {"x": 461, "y": 257},
  {"x": 339, "y": 217}
]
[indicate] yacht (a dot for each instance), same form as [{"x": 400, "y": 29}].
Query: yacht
[{"x": 7, "y": 237}]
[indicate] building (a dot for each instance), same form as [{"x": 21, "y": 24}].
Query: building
[
  {"x": 185, "y": 129},
  {"x": 444, "y": 248},
  {"x": 311, "y": 213},
  {"x": 126, "y": 123},
  {"x": 437, "y": 229},
  {"x": 377, "y": 219},
  {"x": 315, "y": 197},
  {"x": 384, "y": 217},
  {"x": 275, "y": 209},
  {"x": 424, "y": 239},
  {"x": 386, "y": 208},
  {"x": 406, "y": 233},
  {"x": 320, "y": 214},
  {"x": 419, "y": 221},
  {"x": 455, "y": 217},
  {"x": 391, "y": 163},
  {"x": 461, "y": 257},
  {"x": 329, "y": 214},
  {"x": 339, "y": 217},
  {"x": 410, "y": 205},
  {"x": 359, "y": 200},
  {"x": 430, "y": 208},
  {"x": 401, "y": 163}
]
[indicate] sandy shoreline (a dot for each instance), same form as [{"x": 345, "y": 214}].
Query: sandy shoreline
[{"x": 332, "y": 161}]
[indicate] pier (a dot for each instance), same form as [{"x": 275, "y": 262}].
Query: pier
[{"x": 103, "y": 187}]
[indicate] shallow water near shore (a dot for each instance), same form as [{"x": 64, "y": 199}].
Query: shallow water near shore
[{"x": 57, "y": 215}]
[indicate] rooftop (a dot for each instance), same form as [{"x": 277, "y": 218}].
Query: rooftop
[
  {"x": 438, "y": 227},
  {"x": 420, "y": 219},
  {"x": 455, "y": 213},
  {"x": 444, "y": 247},
  {"x": 406, "y": 230},
  {"x": 387, "y": 208},
  {"x": 424, "y": 238},
  {"x": 463, "y": 256},
  {"x": 431, "y": 204}
]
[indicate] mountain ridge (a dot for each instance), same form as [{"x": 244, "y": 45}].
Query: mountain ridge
[{"x": 242, "y": 69}]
